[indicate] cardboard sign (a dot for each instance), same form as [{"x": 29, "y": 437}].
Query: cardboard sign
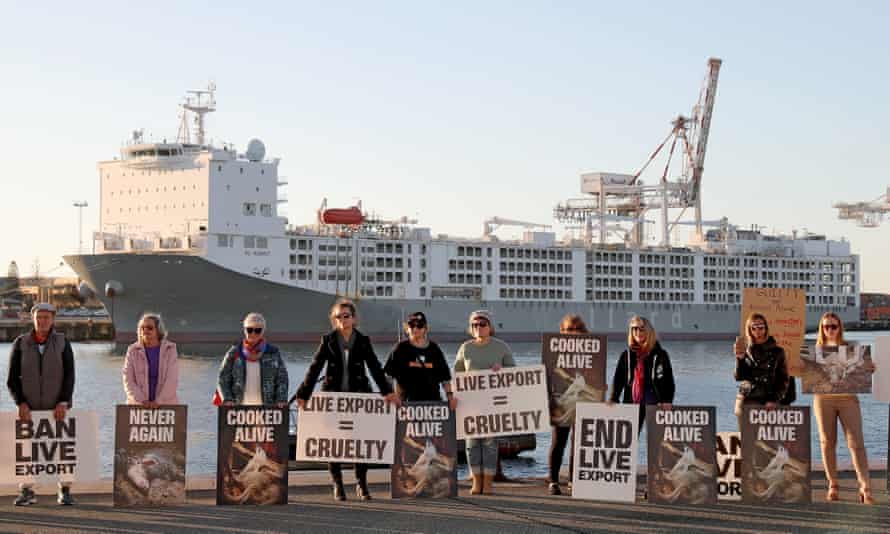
[
  {"x": 44, "y": 450},
  {"x": 251, "y": 465},
  {"x": 346, "y": 427},
  {"x": 576, "y": 372},
  {"x": 606, "y": 451},
  {"x": 776, "y": 449},
  {"x": 681, "y": 454},
  {"x": 881, "y": 378},
  {"x": 510, "y": 401},
  {"x": 426, "y": 451},
  {"x": 786, "y": 315},
  {"x": 149, "y": 455},
  {"x": 840, "y": 369},
  {"x": 729, "y": 466}
]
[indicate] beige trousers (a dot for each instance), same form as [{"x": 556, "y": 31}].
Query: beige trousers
[{"x": 828, "y": 409}]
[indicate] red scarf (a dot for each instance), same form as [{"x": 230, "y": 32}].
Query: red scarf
[
  {"x": 638, "y": 387},
  {"x": 254, "y": 351},
  {"x": 40, "y": 340}
]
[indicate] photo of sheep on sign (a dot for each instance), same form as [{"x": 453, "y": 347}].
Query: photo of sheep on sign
[
  {"x": 252, "y": 455},
  {"x": 149, "y": 457},
  {"x": 836, "y": 369}
]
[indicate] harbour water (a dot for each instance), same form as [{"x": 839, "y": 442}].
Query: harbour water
[{"x": 703, "y": 372}]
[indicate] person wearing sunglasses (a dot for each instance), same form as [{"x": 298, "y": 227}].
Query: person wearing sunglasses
[
  {"x": 346, "y": 355},
  {"x": 643, "y": 374},
  {"x": 481, "y": 353},
  {"x": 253, "y": 373},
  {"x": 418, "y": 365},
  {"x": 151, "y": 366},
  {"x": 831, "y": 408},
  {"x": 761, "y": 367},
  {"x": 559, "y": 435}
]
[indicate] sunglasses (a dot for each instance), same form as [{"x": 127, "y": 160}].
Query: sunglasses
[
  {"x": 831, "y": 326},
  {"x": 344, "y": 316},
  {"x": 637, "y": 328},
  {"x": 480, "y": 325},
  {"x": 416, "y": 324},
  {"x": 252, "y": 330},
  {"x": 758, "y": 327},
  {"x": 572, "y": 329}
]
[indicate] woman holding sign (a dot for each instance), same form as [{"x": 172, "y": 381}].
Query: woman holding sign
[
  {"x": 418, "y": 365},
  {"x": 253, "y": 372},
  {"x": 481, "y": 353},
  {"x": 346, "y": 353},
  {"x": 760, "y": 369},
  {"x": 151, "y": 367},
  {"x": 643, "y": 375},
  {"x": 559, "y": 437},
  {"x": 829, "y": 408}
]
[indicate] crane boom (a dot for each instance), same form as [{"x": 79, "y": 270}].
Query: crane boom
[{"x": 704, "y": 128}]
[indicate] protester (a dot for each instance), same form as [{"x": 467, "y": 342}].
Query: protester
[
  {"x": 41, "y": 377},
  {"x": 346, "y": 353},
  {"x": 481, "y": 353},
  {"x": 151, "y": 366},
  {"x": 761, "y": 369},
  {"x": 643, "y": 374},
  {"x": 418, "y": 365},
  {"x": 831, "y": 408},
  {"x": 253, "y": 373},
  {"x": 559, "y": 435}
]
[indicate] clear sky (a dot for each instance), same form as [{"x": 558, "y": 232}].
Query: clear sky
[{"x": 452, "y": 112}]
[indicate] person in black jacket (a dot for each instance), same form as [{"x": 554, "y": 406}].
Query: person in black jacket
[
  {"x": 760, "y": 367},
  {"x": 643, "y": 375},
  {"x": 346, "y": 353}
]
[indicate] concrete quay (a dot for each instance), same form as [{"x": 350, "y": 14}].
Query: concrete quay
[{"x": 519, "y": 506}]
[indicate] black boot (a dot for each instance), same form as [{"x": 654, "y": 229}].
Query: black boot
[
  {"x": 361, "y": 489},
  {"x": 339, "y": 492}
]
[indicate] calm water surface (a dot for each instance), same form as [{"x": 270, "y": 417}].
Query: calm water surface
[{"x": 702, "y": 369}]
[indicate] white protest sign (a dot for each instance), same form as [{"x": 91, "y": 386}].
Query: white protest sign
[
  {"x": 729, "y": 466},
  {"x": 880, "y": 386},
  {"x": 606, "y": 449},
  {"x": 45, "y": 450},
  {"x": 346, "y": 427},
  {"x": 512, "y": 400}
]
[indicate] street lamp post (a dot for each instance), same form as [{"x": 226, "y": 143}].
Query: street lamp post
[{"x": 80, "y": 205}]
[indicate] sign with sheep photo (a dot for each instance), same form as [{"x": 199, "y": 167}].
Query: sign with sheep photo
[{"x": 149, "y": 456}]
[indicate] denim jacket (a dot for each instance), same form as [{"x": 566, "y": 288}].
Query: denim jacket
[{"x": 273, "y": 376}]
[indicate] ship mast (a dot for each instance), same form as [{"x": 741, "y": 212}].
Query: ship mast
[{"x": 199, "y": 103}]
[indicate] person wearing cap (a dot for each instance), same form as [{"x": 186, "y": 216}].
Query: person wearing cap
[
  {"x": 418, "y": 365},
  {"x": 347, "y": 356},
  {"x": 151, "y": 367},
  {"x": 41, "y": 377},
  {"x": 481, "y": 353}
]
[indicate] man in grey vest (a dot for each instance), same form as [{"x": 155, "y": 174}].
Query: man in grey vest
[{"x": 41, "y": 377}]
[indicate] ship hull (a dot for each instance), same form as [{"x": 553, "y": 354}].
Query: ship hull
[{"x": 202, "y": 302}]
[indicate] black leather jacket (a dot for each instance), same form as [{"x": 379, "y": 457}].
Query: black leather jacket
[
  {"x": 329, "y": 353},
  {"x": 762, "y": 372}
]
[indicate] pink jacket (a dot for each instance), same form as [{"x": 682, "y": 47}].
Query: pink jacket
[{"x": 135, "y": 374}]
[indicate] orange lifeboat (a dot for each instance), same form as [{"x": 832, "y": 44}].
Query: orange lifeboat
[{"x": 350, "y": 216}]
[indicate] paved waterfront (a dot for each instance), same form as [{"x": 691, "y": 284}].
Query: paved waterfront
[{"x": 516, "y": 507}]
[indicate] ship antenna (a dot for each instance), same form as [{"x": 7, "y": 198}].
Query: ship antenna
[{"x": 200, "y": 103}]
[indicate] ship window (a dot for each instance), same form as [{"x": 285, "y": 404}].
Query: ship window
[
  {"x": 266, "y": 210},
  {"x": 249, "y": 241},
  {"x": 249, "y": 208},
  {"x": 262, "y": 242}
]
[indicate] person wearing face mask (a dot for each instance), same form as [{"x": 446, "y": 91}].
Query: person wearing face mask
[
  {"x": 418, "y": 365},
  {"x": 346, "y": 355},
  {"x": 761, "y": 368},
  {"x": 643, "y": 374},
  {"x": 41, "y": 377},
  {"x": 831, "y": 408},
  {"x": 151, "y": 366},
  {"x": 253, "y": 373}
]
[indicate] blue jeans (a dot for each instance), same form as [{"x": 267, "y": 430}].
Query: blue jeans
[{"x": 482, "y": 455}]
